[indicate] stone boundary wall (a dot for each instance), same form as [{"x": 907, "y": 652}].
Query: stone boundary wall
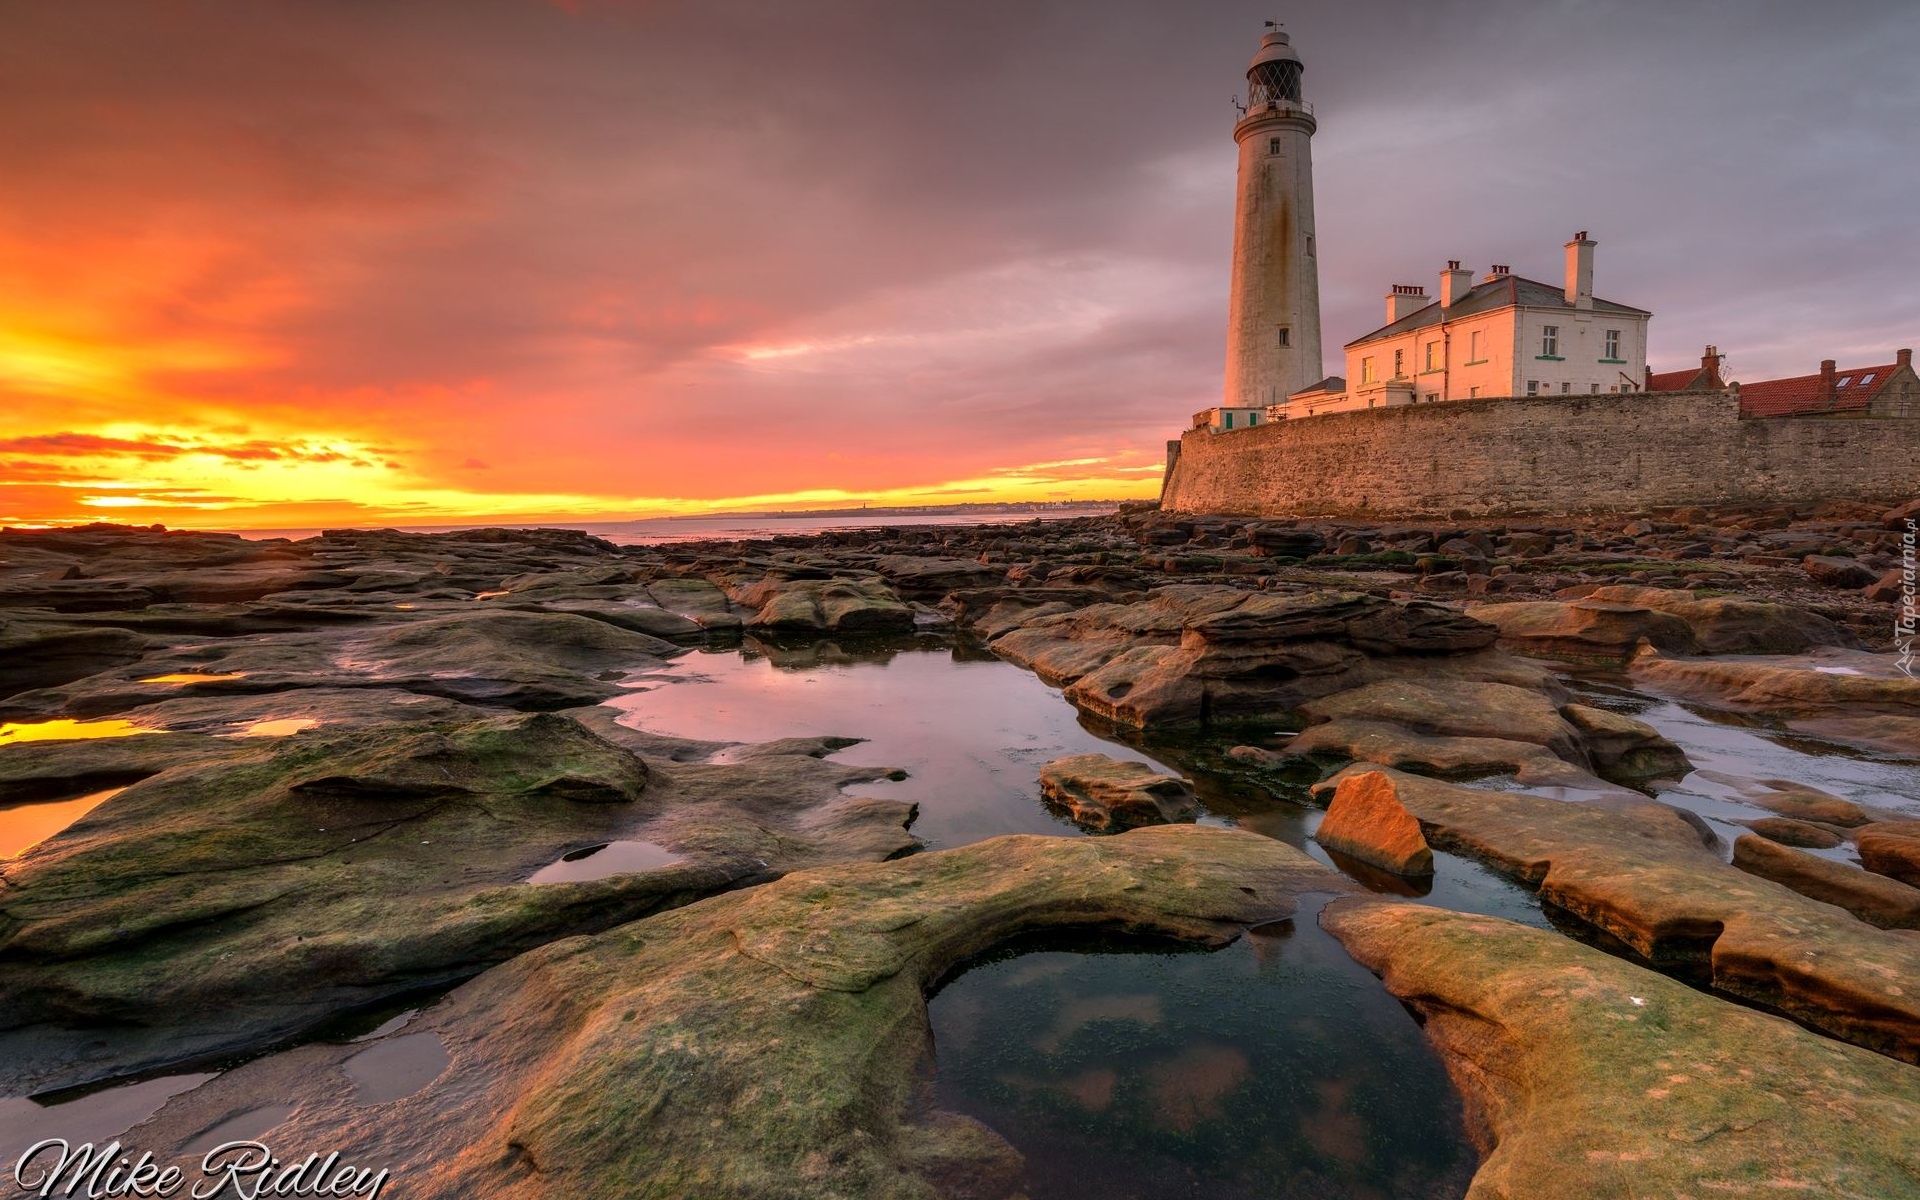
[{"x": 1547, "y": 454}]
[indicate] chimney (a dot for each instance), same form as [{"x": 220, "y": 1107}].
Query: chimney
[
  {"x": 1454, "y": 283},
  {"x": 1580, "y": 270},
  {"x": 1903, "y": 358},
  {"x": 1403, "y": 299},
  {"x": 1710, "y": 363},
  {"x": 1827, "y": 389},
  {"x": 1497, "y": 271}
]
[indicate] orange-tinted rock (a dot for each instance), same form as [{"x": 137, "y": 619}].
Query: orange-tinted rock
[
  {"x": 1891, "y": 855},
  {"x": 1789, "y": 832},
  {"x": 1586, "y": 630},
  {"x": 1647, "y": 874},
  {"x": 1109, "y": 794},
  {"x": 1875, "y": 899},
  {"x": 1367, "y": 821},
  {"x": 1585, "y": 1076}
]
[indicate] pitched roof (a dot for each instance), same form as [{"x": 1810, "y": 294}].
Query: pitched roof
[
  {"x": 1332, "y": 383},
  {"x": 1507, "y": 291},
  {"x": 1675, "y": 381},
  {"x": 1853, "y": 390}
]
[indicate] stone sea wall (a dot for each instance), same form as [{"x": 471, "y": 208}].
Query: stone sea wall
[{"x": 1551, "y": 454}]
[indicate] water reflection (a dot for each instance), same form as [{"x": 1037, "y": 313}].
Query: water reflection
[
  {"x": 93, "y": 1116},
  {"x": 66, "y": 729},
  {"x": 1737, "y": 759},
  {"x": 1275, "y": 1067},
  {"x": 608, "y": 858},
  {"x": 971, "y": 732},
  {"x": 25, "y": 826}
]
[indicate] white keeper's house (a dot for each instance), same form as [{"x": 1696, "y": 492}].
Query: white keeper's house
[{"x": 1504, "y": 336}]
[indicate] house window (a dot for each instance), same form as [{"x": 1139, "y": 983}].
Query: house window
[
  {"x": 1533, "y": 387},
  {"x": 1226, "y": 420},
  {"x": 1286, "y": 337},
  {"x": 1273, "y": 145},
  {"x": 1613, "y": 343},
  {"x": 1565, "y": 388},
  {"x": 1366, "y": 370},
  {"x": 1473, "y": 392},
  {"x": 1594, "y": 390},
  {"x": 1399, "y": 363},
  {"x": 1433, "y": 356},
  {"x": 1473, "y": 345},
  {"x": 1253, "y": 418},
  {"x": 1549, "y": 340},
  {"x": 1432, "y": 396}
]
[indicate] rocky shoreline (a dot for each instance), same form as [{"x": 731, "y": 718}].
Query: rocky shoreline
[{"x": 322, "y": 772}]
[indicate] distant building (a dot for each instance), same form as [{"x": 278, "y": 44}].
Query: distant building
[
  {"x": 1888, "y": 390},
  {"x": 1703, "y": 378},
  {"x": 1505, "y": 336},
  {"x": 1222, "y": 419}
]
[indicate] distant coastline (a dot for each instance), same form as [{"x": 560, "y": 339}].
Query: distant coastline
[{"x": 684, "y": 527}]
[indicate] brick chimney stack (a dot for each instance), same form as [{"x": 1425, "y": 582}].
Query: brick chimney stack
[
  {"x": 1903, "y": 358},
  {"x": 1580, "y": 270},
  {"x": 1455, "y": 283},
  {"x": 1827, "y": 368},
  {"x": 1405, "y": 298}
]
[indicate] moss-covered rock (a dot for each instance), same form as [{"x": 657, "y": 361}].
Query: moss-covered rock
[
  {"x": 1588, "y": 1076},
  {"x": 769, "y": 1043},
  {"x": 1652, "y": 877},
  {"x": 233, "y": 899}
]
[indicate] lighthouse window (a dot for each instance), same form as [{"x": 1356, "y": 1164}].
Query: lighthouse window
[
  {"x": 1286, "y": 337},
  {"x": 1273, "y": 145}
]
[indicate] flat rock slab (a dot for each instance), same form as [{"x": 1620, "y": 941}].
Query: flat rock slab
[
  {"x": 253, "y": 889},
  {"x": 1875, "y": 899},
  {"x": 1103, "y": 794},
  {"x": 1587, "y": 1076},
  {"x": 767, "y": 1043},
  {"x": 1643, "y": 872},
  {"x": 1196, "y": 654}
]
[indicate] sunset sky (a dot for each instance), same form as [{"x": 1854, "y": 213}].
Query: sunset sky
[{"x": 280, "y": 265}]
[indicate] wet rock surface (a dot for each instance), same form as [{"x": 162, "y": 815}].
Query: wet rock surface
[
  {"x": 1651, "y": 877},
  {"x": 1102, "y": 794},
  {"x": 344, "y": 757},
  {"x": 766, "y": 1043},
  {"x": 1588, "y": 1076}
]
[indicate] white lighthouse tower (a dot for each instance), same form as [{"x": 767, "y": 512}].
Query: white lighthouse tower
[{"x": 1273, "y": 325}]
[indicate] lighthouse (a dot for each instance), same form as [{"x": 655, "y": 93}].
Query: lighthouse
[{"x": 1273, "y": 323}]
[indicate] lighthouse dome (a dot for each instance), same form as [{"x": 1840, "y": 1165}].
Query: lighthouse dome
[
  {"x": 1276, "y": 46},
  {"x": 1273, "y": 78}
]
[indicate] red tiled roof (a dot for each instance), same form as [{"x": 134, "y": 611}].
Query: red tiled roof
[
  {"x": 1854, "y": 389},
  {"x": 1673, "y": 381}
]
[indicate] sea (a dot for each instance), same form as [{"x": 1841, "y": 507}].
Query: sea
[{"x": 655, "y": 531}]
